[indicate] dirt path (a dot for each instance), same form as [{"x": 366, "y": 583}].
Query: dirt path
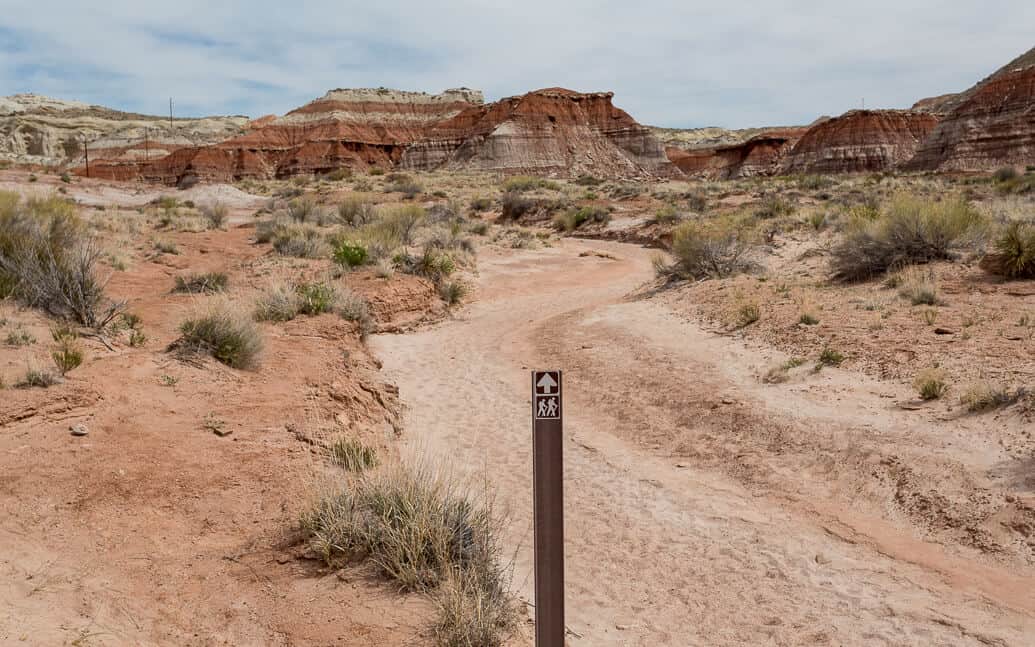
[{"x": 699, "y": 509}]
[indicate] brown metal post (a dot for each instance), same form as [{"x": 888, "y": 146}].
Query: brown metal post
[{"x": 548, "y": 471}]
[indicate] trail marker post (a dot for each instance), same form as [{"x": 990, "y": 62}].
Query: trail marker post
[{"x": 547, "y": 468}]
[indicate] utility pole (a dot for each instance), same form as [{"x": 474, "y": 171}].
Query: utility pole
[
  {"x": 86, "y": 152},
  {"x": 147, "y": 148},
  {"x": 170, "y": 114}
]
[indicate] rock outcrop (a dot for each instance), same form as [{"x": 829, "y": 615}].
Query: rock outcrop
[
  {"x": 344, "y": 128},
  {"x": 762, "y": 154},
  {"x": 989, "y": 126},
  {"x": 39, "y": 130},
  {"x": 551, "y": 131},
  {"x": 860, "y": 141}
]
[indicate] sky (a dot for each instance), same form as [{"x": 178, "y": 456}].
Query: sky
[{"x": 677, "y": 63}]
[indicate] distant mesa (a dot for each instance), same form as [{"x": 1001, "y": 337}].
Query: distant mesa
[{"x": 553, "y": 131}]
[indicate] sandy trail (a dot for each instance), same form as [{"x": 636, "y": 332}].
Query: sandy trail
[{"x": 659, "y": 554}]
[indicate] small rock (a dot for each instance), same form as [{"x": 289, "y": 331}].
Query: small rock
[
  {"x": 79, "y": 430},
  {"x": 728, "y": 400},
  {"x": 622, "y": 627},
  {"x": 944, "y": 331},
  {"x": 822, "y": 559}
]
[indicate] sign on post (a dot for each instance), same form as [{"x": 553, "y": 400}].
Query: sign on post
[{"x": 547, "y": 467}]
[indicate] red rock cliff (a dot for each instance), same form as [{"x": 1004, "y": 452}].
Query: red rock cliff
[
  {"x": 545, "y": 131},
  {"x": 762, "y": 154},
  {"x": 993, "y": 126},
  {"x": 860, "y": 141}
]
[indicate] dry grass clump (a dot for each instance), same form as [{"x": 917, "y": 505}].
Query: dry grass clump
[
  {"x": 48, "y": 260},
  {"x": 38, "y": 378},
  {"x": 279, "y": 302},
  {"x": 572, "y": 219},
  {"x": 1014, "y": 255},
  {"x": 426, "y": 531},
  {"x": 224, "y": 332},
  {"x": 215, "y": 214},
  {"x": 316, "y": 298},
  {"x": 68, "y": 352},
  {"x": 701, "y": 251},
  {"x": 985, "y": 396},
  {"x": 918, "y": 286},
  {"x": 521, "y": 183},
  {"x": 207, "y": 282},
  {"x": 300, "y": 241},
  {"x": 356, "y": 210},
  {"x": 353, "y": 307},
  {"x": 352, "y": 454},
  {"x": 911, "y": 230},
  {"x": 930, "y": 384}
]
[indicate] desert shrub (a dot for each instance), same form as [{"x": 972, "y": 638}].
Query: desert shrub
[
  {"x": 356, "y": 210},
  {"x": 930, "y": 384},
  {"x": 808, "y": 318},
  {"x": 481, "y": 204},
  {"x": 301, "y": 209},
  {"x": 338, "y": 174},
  {"x": 626, "y": 191},
  {"x": 830, "y": 357},
  {"x": 452, "y": 292},
  {"x": 404, "y": 184},
  {"x": 918, "y": 286},
  {"x": 666, "y": 215},
  {"x": 301, "y": 241},
  {"x": 814, "y": 182},
  {"x": 68, "y": 352},
  {"x": 912, "y": 230},
  {"x": 39, "y": 378},
  {"x": 422, "y": 529},
  {"x": 985, "y": 396},
  {"x": 747, "y": 313},
  {"x": 376, "y": 171},
  {"x": 433, "y": 264},
  {"x": 1005, "y": 174},
  {"x": 19, "y": 337},
  {"x": 353, "y": 307},
  {"x": 397, "y": 226},
  {"x": 48, "y": 260},
  {"x": 588, "y": 180},
  {"x": 207, "y": 282},
  {"x": 1014, "y": 255},
  {"x": 700, "y": 251},
  {"x": 574, "y": 218},
  {"x": 774, "y": 207},
  {"x": 520, "y": 183},
  {"x": 224, "y": 333},
  {"x": 479, "y": 228},
  {"x": 515, "y": 205},
  {"x": 279, "y": 302},
  {"x": 215, "y": 214},
  {"x": 65, "y": 177},
  {"x": 352, "y": 454},
  {"x": 349, "y": 254},
  {"x": 166, "y": 247},
  {"x": 316, "y": 298}
]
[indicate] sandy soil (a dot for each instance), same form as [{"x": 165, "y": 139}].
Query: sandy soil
[{"x": 704, "y": 507}]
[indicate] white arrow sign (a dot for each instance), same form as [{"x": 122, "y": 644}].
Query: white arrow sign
[{"x": 546, "y": 383}]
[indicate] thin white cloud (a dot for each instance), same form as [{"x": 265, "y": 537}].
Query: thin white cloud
[{"x": 669, "y": 63}]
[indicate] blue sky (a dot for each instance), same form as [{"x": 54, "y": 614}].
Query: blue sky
[{"x": 670, "y": 63}]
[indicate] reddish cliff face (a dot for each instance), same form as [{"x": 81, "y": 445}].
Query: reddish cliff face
[
  {"x": 546, "y": 131},
  {"x": 760, "y": 155},
  {"x": 993, "y": 127},
  {"x": 345, "y": 128},
  {"x": 860, "y": 141}
]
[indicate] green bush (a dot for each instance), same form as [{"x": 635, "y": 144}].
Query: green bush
[
  {"x": 452, "y": 292},
  {"x": 349, "y": 254},
  {"x": 831, "y": 357},
  {"x": 588, "y": 180},
  {"x": 225, "y": 334},
  {"x": 1005, "y": 174},
  {"x": 774, "y": 207},
  {"x": 316, "y": 298},
  {"x": 911, "y": 230}
]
